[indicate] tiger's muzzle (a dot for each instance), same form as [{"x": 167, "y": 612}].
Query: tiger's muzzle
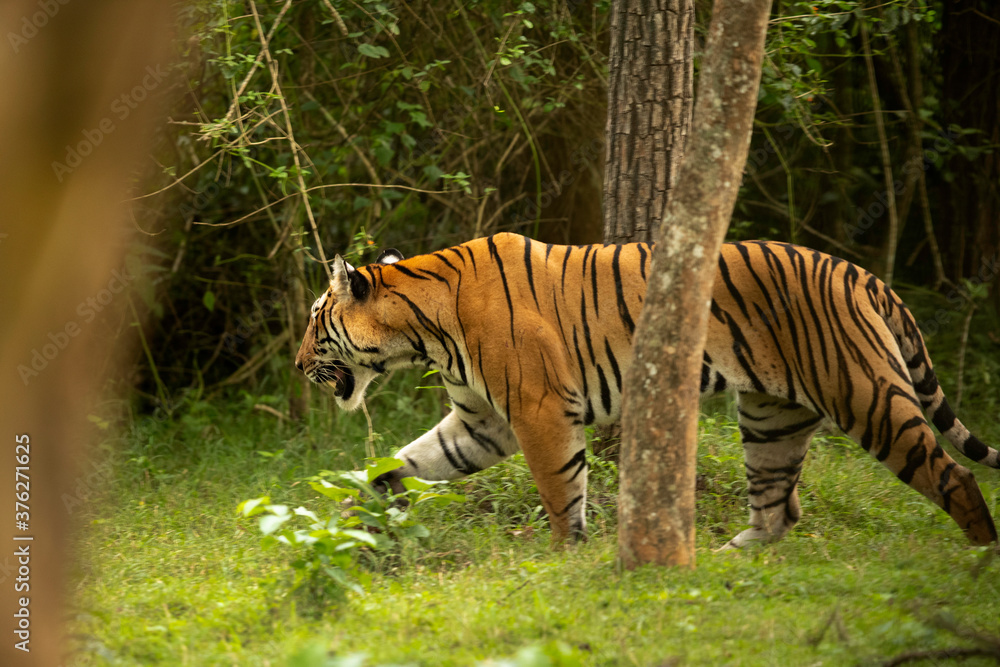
[{"x": 335, "y": 374}]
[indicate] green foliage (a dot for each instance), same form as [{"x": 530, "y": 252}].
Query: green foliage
[
  {"x": 376, "y": 119},
  {"x": 328, "y": 549}
]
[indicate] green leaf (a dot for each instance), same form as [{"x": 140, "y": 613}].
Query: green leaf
[
  {"x": 333, "y": 492},
  {"x": 209, "y": 300},
  {"x": 360, "y": 536},
  {"x": 416, "y": 484},
  {"x": 373, "y": 51},
  {"x": 253, "y": 506},
  {"x": 383, "y": 465},
  {"x": 271, "y": 523},
  {"x": 302, "y": 511},
  {"x": 416, "y": 531}
]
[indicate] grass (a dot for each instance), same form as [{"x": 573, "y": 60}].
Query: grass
[{"x": 168, "y": 573}]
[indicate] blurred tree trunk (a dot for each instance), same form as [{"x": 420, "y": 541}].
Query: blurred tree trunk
[
  {"x": 63, "y": 233},
  {"x": 650, "y": 93},
  {"x": 650, "y": 84},
  {"x": 969, "y": 49},
  {"x": 660, "y": 409}
]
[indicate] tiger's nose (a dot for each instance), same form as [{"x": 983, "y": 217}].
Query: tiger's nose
[{"x": 298, "y": 364}]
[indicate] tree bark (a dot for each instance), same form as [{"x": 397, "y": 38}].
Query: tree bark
[
  {"x": 650, "y": 83},
  {"x": 660, "y": 410},
  {"x": 650, "y": 95},
  {"x": 62, "y": 243}
]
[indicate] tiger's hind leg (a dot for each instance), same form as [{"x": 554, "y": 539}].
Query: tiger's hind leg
[
  {"x": 776, "y": 435},
  {"x": 895, "y": 432}
]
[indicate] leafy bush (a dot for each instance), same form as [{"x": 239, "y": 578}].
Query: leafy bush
[{"x": 362, "y": 519}]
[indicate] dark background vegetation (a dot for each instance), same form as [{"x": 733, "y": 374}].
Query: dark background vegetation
[{"x": 416, "y": 125}]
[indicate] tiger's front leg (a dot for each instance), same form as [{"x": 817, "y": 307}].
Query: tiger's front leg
[{"x": 471, "y": 438}]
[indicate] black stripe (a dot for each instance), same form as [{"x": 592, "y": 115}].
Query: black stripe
[
  {"x": 579, "y": 460},
  {"x": 527, "y": 267},
  {"x": 451, "y": 459},
  {"x": 462, "y": 406},
  {"x": 444, "y": 259},
  {"x": 370, "y": 349},
  {"x": 605, "y": 390},
  {"x": 915, "y": 458},
  {"x": 569, "y": 505},
  {"x": 585, "y": 323},
  {"x": 406, "y": 272},
  {"x": 482, "y": 375},
  {"x": 569, "y": 250},
  {"x": 944, "y": 417},
  {"x": 484, "y": 441},
  {"x": 506, "y": 288},
  {"x": 620, "y": 293},
  {"x": 614, "y": 364},
  {"x": 472, "y": 258},
  {"x": 928, "y": 386},
  {"x": 974, "y": 448},
  {"x": 436, "y": 276},
  {"x": 593, "y": 281},
  {"x": 562, "y": 333},
  {"x": 734, "y": 292},
  {"x": 642, "y": 260}
]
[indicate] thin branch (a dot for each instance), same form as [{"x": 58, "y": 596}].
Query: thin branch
[
  {"x": 260, "y": 56},
  {"x": 177, "y": 180},
  {"x": 271, "y": 411},
  {"x": 890, "y": 191},
  {"x": 336, "y": 18},
  {"x": 324, "y": 187},
  {"x": 296, "y": 148},
  {"x": 960, "y": 384}
]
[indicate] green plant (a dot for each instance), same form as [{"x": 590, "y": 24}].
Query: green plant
[{"x": 328, "y": 548}]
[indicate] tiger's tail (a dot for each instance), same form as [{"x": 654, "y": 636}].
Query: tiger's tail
[{"x": 911, "y": 343}]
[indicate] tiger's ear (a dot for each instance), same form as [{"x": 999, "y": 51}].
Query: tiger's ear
[
  {"x": 347, "y": 283},
  {"x": 389, "y": 256}
]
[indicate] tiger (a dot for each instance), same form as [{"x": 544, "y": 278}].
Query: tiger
[{"x": 532, "y": 341}]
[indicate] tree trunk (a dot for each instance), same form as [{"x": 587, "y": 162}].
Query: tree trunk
[
  {"x": 62, "y": 243},
  {"x": 660, "y": 410},
  {"x": 650, "y": 94},
  {"x": 649, "y": 113}
]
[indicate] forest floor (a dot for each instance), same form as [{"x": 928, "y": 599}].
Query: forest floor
[{"x": 168, "y": 572}]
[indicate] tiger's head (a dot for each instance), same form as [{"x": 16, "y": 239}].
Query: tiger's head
[{"x": 348, "y": 343}]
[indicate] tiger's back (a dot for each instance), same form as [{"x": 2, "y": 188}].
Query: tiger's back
[{"x": 533, "y": 340}]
